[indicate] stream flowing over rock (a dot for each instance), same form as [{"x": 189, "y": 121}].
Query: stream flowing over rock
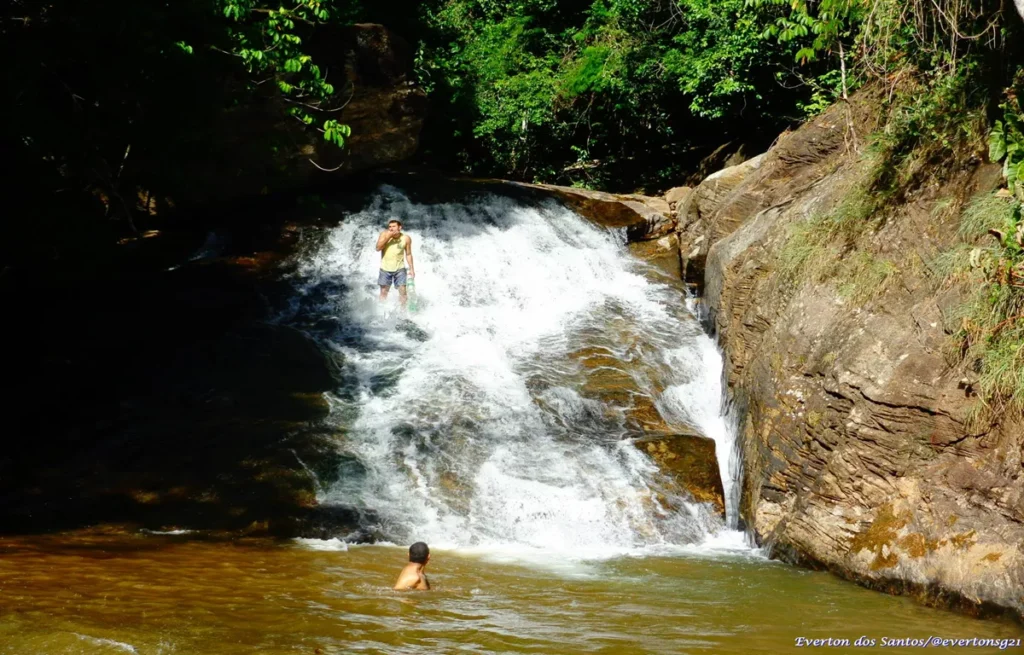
[
  {"x": 858, "y": 456},
  {"x": 644, "y": 217},
  {"x": 555, "y": 394}
]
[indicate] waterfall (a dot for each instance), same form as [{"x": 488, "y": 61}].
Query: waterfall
[
  {"x": 467, "y": 423},
  {"x": 701, "y": 401}
]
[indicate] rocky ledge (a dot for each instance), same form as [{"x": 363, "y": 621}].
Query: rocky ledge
[{"x": 643, "y": 217}]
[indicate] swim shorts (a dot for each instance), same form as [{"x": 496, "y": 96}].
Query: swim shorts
[{"x": 387, "y": 278}]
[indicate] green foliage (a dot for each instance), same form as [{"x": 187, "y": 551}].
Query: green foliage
[
  {"x": 619, "y": 94},
  {"x": 599, "y": 92},
  {"x": 125, "y": 96},
  {"x": 991, "y": 341},
  {"x": 1006, "y": 144},
  {"x": 991, "y": 334},
  {"x": 821, "y": 27},
  {"x": 934, "y": 119},
  {"x": 984, "y": 213},
  {"x": 716, "y": 58},
  {"x": 336, "y": 133},
  {"x": 854, "y": 214},
  {"x": 602, "y": 92},
  {"x": 826, "y": 90},
  {"x": 803, "y": 247},
  {"x": 825, "y": 248},
  {"x": 268, "y": 41}
]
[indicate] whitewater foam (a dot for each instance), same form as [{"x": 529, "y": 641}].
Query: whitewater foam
[
  {"x": 330, "y": 545},
  {"x": 99, "y": 641},
  {"x": 467, "y": 418}
]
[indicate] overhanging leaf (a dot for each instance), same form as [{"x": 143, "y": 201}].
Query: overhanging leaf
[{"x": 997, "y": 142}]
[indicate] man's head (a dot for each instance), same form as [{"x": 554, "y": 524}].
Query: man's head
[
  {"x": 419, "y": 553},
  {"x": 394, "y": 226}
]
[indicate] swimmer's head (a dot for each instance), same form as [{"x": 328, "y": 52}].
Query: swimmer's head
[{"x": 419, "y": 553}]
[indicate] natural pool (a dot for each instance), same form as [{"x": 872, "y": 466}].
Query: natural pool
[{"x": 153, "y": 594}]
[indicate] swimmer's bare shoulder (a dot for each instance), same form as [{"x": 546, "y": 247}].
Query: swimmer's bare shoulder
[
  {"x": 412, "y": 578},
  {"x": 413, "y": 575}
]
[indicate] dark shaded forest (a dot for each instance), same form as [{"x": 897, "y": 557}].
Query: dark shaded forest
[{"x": 112, "y": 112}]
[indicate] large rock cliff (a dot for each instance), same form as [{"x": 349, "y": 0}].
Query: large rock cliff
[{"x": 859, "y": 455}]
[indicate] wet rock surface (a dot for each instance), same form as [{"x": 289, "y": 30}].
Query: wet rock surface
[
  {"x": 663, "y": 256},
  {"x": 626, "y": 389},
  {"x": 643, "y": 217},
  {"x": 689, "y": 459}
]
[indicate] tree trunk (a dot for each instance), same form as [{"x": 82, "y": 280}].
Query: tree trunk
[{"x": 1020, "y": 7}]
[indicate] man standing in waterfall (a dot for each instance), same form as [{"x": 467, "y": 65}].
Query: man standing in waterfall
[
  {"x": 412, "y": 576},
  {"x": 395, "y": 254}
]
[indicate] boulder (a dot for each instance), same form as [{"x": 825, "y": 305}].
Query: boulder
[
  {"x": 662, "y": 255},
  {"x": 713, "y": 191},
  {"x": 674, "y": 197},
  {"x": 718, "y": 205},
  {"x": 690, "y": 461},
  {"x": 726, "y": 155}
]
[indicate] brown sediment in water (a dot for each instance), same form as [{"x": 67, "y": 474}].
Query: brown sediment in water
[{"x": 86, "y": 592}]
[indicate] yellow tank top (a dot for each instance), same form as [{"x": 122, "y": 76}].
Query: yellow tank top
[{"x": 393, "y": 258}]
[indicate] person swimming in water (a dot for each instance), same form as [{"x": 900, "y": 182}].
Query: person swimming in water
[{"x": 412, "y": 576}]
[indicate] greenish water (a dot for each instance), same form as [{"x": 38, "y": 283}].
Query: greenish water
[{"x": 150, "y": 594}]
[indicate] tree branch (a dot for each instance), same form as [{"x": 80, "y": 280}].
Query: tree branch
[{"x": 327, "y": 170}]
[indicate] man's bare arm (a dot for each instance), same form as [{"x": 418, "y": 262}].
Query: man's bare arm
[
  {"x": 383, "y": 239},
  {"x": 408, "y": 255}
]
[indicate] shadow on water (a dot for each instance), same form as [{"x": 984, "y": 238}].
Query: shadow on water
[{"x": 321, "y": 312}]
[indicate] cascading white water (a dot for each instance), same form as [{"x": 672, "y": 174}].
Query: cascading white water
[
  {"x": 464, "y": 423},
  {"x": 700, "y": 401}
]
